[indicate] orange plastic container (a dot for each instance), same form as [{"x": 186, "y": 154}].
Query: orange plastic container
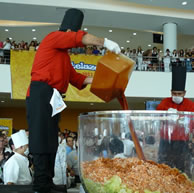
[{"x": 112, "y": 75}]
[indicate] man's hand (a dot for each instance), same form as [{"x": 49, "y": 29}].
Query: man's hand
[
  {"x": 10, "y": 183},
  {"x": 112, "y": 46},
  {"x": 88, "y": 80},
  {"x": 89, "y": 39},
  {"x": 172, "y": 110},
  {"x": 174, "y": 116}
]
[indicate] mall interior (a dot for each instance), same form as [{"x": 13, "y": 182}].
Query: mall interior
[
  {"x": 141, "y": 29},
  {"x": 124, "y": 18}
]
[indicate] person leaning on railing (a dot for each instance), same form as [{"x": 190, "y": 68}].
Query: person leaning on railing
[
  {"x": 1, "y": 52},
  {"x": 154, "y": 58},
  {"x": 193, "y": 59},
  {"x": 188, "y": 59},
  {"x": 146, "y": 59},
  {"x": 32, "y": 46}
]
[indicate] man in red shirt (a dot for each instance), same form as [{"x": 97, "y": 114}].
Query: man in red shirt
[
  {"x": 174, "y": 149},
  {"x": 51, "y": 74}
]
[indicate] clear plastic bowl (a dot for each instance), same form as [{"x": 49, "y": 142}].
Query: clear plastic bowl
[{"x": 107, "y": 157}]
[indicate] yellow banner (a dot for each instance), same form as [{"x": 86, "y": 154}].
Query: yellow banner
[
  {"x": 84, "y": 64},
  {"x": 21, "y": 64},
  {"x": 6, "y": 125}
]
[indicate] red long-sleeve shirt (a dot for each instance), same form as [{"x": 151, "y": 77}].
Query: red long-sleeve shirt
[
  {"x": 178, "y": 132},
  {"x": 186, "y": 105},
  {"x": 52, "y": 63}
]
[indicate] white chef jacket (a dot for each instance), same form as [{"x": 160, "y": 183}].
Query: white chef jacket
[
  {"x": 7, "y": 46},
  {"x": 60, "y": 165},
  {"x": 16, "y": 170},
  {"x": 128, "y": 147},
  {"x": 120, "y": 155}
]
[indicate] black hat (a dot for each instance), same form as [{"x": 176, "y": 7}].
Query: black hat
[
  {"x": 72, "y": 20},
  {"x": 116, "y": 145},
  {"x": 178, "y": 78}
]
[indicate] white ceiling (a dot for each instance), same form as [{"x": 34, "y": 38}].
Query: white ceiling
[
  {"x": 121, "y": 36},
  {"x": 125, "y": 14},
  {"x": 165, "y": 3}
]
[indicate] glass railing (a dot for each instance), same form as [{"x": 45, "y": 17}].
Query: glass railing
[
  {"x": 4, "y": 56},
  {"x": 163, "y": 64}
]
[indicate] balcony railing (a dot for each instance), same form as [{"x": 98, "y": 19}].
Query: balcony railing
[
  {"x": 163, "y": 64},
  {"x": 148, "y": 63},
  {"x": 4, "y": 56}
]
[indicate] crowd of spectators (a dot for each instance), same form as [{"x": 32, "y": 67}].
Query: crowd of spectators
[
  {"x": 148, "y": 60},
  {"x": 66, "y": 163},
  {"x": 8, "y": 45}
]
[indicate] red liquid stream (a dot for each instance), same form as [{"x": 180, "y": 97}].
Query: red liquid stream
[{"x": 123, "y": 102}]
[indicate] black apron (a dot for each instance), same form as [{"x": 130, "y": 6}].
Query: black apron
[
  {"x": 43, "y": 129},
  {"x": 175, "y": 154}
]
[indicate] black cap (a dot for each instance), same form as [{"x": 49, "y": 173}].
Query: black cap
[
  {"x": 116, "y": 145},
  {"x": 72, "y": 20},
  {"x": 178, "y": 78}
]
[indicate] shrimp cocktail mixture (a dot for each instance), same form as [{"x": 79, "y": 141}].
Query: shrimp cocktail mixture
[{"x": 131, "y": 175}]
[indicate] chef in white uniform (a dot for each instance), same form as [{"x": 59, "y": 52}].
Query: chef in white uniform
[
  {"x": 60, "y": 164},
  {"x": 128, "y": 145},
  {"x": 16, "y": 170}
]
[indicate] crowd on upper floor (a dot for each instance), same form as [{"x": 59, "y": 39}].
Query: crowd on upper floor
[
  {"x": 8, "y": 45},
  {"x": 150, "y": 59}
]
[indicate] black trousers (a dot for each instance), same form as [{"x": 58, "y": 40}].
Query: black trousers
[
  {"x": 43, "y": 172},
  {"x": 175, "y": 154},
  {"x": 77, "y": 179},
  {"x": 43, "y": 129},
  {"x": 43, "y": 134}
]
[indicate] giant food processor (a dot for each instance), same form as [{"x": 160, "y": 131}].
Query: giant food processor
[{"x": 125, "y": 151}]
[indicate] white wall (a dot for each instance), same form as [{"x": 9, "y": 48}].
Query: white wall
[
  {"x": 155, "y": 84},
  {"x": 141, "y": 84},
  {"x": 5, "y": 79}
]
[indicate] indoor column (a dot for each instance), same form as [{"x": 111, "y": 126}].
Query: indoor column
[{"x": 170, "y": 36}]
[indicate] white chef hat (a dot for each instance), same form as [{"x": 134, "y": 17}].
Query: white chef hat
[
  {"x": 96, "y": 132},
  {"x": 123, "y": 135},
  {"x": 105, "y": 132},
  {"x": 19, "y": 139}
]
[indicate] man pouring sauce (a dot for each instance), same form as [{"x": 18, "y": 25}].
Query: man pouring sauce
[{"x": 51, "y": 74}]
